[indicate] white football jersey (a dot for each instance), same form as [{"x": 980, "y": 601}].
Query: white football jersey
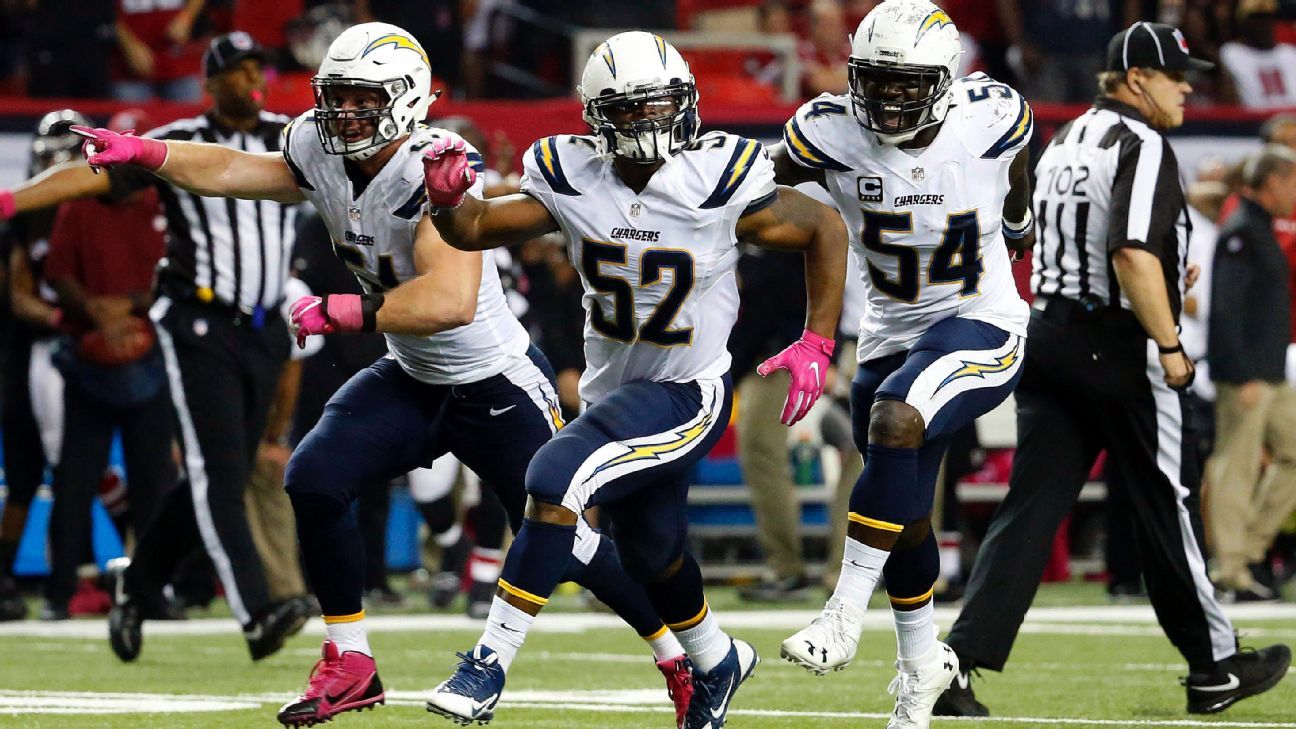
[
  {"x": 373, "y": 233},
  {"x": 926, "y": 228},
  {"x": 658, "y": 266}
]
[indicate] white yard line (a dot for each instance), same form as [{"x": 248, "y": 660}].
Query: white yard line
[
  {"x": 1122, "y": 619},
  {"x": 609, "y": 702}
]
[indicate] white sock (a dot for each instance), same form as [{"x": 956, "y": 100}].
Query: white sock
[
  {"x": 449, "y": 537},
  {"x": 915, "y": 631},
  {"x": 349, "y": 636},
  {"x": 705, "y": 643},
  {"x": 485, "y": 564},
  {"x": 861, "y": 568},
  {"x": 665, "y": 645},
  {"x": 506, "y": 629}
]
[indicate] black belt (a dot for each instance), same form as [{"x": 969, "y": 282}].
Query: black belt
[
  {"x": 203, "y": 297},
  {"x": 1089, "y": 310}
]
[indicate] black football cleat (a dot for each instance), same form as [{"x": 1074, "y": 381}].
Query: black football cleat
[
  {"x": 1246, "y": 673},
  {"x": 267, "y": 634},
  {"x": 959, "y": 700}
]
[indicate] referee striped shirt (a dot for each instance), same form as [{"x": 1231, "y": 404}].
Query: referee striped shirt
[
  {"x": 1106, "y": 181},
  {"x": 230, "y": 252}
]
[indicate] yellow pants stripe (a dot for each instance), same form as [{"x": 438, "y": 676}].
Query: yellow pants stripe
[
  {"x": 523, "y": 594},
  {"x": 658, "y": 634},
  {"x": 352, "y": 618},
  {"x": 885, "y": 526},
  {"x": 693, "y": 621},
  {"x": 913, "y": 600}
]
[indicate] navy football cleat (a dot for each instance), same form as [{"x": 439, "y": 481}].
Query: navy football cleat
[
  {"x": 472, "y": 692},
  {"x": 713, "y": 691}
]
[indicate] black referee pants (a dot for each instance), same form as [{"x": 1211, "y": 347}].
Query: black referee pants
[
  {"x": 223, "y": 374},
  {"x": 1089, "y": 385}
]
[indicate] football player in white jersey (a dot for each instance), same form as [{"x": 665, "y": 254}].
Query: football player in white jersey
[
  {"x": 929, "y": 173},
  {"x": 462, "y": 376},
  {"x": 652, "y": 214}
]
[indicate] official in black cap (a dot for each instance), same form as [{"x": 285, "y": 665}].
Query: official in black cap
[
  {"x": 1104, "y": 370},
  {"x": 224, "y": 342}
]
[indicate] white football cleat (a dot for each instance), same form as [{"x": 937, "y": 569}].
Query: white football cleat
[
  {"x": 917, "y": 685},
  {"x": 828, "y": 643}
]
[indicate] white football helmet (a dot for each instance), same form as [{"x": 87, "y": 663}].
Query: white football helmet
[
  {"x": 631, "y": 73},
  {"x": 904, "y": 56},
  {"x": 377, "y": 56}
]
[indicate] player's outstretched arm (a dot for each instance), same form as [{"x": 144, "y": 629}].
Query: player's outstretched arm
[
  {"x": 1018, "y": 223},
  {"x": 199, "y": 167},
  {"x": 442, "y": 297},
  {"x": 466, "y": 222},
  {"x": 788, "y": 172},
  {"x": 68, "y": 181},
  {"x": 797, "y": 223}
]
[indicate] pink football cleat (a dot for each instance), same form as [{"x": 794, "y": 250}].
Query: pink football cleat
[
  {"x": 679, "y": 683},
  {"x": 338, "y": 683}
]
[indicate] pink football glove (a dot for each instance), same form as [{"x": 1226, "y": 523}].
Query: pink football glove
[
  {"x": 807, "y": 361},
  {"x": 446, "y": 172},
  {"x": 104, "y": 148},
  {"x": 8, "y": 208},
  {"x": 313, "y": 315}
]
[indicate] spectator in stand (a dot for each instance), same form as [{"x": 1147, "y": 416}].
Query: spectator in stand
[
  {"x": 157, "y": 55},
  {"x": 101, "y": 259},
  {"x": 1250, "y": 328},
  {"x": 981, "y": 25},
  {"x": 1057, "y": 47},
  {"x": 436, "y": 24},
  {"x": 1262, "y": 69},
  {"x": 825, "y": 51},
  {"x": 479, "y": 37},
  {"x": 772, "y": 18},
  {"x": 67, "y": 44}
]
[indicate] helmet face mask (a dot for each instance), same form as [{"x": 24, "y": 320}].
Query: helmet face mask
[
  {"x": 645, "y": 126},
  {"x": 640, "y": 98},
  {"x": 365, "y": 123},
  {"x": 896, "y": 99}
]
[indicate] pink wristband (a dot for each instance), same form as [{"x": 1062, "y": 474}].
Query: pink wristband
[
  {"x": 7, "y": 205},
  {"x": 823, "y": 344},
  {"x": 152, "y": 154},
  {"x": 345, "y": 311}
]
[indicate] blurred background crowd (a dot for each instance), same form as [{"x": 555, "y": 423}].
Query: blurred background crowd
[{"x": 768, "y": 503}]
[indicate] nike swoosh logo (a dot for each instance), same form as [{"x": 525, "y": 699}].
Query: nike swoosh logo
[
  {"x": 501, "y": 411},
  {"x": 511, "y": 630},
  {"x": 479, "y": 705},
  {"x": 1232, "y": 683},
  {"x": 255, "y": 633},
  {"x": 720, "y": 712},
  {"x": 814, "y": 367}
]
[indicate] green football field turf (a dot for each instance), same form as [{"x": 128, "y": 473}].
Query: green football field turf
[{"x": 1085, "y": 666}]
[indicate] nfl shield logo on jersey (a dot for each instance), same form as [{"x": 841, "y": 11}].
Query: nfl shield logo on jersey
[
  {"x": 354, "y": 214},
  {"x": 917, "y": 174},
  {"x": 636, "y": 209}
]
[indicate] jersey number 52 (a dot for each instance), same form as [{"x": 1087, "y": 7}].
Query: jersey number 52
[
  {"x": 621, "y": 324},
  {"x": 957, "y": 260}
]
